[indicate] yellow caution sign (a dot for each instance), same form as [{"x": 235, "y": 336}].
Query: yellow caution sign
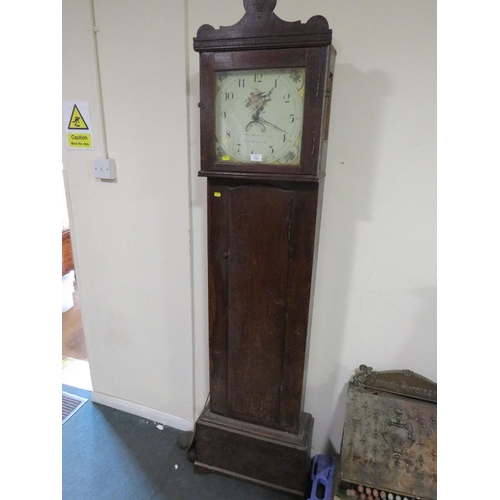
[
  {"x": 76, "y": 122},
  {"x": 80, "y": 141}
]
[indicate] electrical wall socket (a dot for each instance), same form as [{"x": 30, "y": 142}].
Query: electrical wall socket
[{"x": 104, "y": 168}]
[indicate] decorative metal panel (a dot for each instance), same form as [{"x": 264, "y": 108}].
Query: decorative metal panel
[{"x": 390, "y": 441}]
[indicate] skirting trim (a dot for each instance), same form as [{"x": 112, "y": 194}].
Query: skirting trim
[{"x": 143, "y": 411}]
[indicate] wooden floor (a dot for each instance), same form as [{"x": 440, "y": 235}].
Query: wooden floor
[{"x": 73, "y": 339}]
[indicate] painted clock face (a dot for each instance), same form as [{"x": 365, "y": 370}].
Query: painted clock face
[{"x": 259, "y": 115}]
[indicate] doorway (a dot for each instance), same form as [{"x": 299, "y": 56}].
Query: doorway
[{"x": 75, "y": 366}]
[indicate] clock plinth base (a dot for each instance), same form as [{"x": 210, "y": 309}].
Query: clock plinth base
[{"x": 268, "y": 457}]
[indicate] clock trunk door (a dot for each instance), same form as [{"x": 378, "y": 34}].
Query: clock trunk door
[
  {"x": 259, "y": 219},
  {"x": 261, "y": 248}
]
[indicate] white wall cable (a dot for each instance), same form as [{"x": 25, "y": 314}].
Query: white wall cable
[{"x": 97, "y": 76}]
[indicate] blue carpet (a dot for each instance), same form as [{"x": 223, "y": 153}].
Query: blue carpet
[{"x": 108, "y": 454}]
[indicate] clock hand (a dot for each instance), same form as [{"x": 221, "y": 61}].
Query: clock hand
[
  {"x": 270, "y": 124},
  {"x": 267, "y": 97}
]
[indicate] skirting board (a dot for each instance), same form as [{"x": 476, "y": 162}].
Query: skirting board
[{"x": 143, "y": 411}]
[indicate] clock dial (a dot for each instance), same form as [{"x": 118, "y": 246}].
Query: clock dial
[{"x": 259, "y": 115}]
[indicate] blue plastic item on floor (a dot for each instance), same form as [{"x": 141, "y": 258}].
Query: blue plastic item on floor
[{"x": 322, "y": 473}]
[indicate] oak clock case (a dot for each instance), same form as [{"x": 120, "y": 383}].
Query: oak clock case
[
  {"x": 263, "y": 111},
  {"x": 265, "y": 87}
]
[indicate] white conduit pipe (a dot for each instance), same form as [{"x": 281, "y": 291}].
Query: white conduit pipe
[{"x": 97, "y": 75}]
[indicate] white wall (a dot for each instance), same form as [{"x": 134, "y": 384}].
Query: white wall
[
  {"x": 143, "y": 293},
  {"x": 375, "y": 300},
  {"x": 132, "y": 236}
]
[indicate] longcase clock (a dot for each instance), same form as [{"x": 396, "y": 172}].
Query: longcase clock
[{"x": 265, "y": 87}]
